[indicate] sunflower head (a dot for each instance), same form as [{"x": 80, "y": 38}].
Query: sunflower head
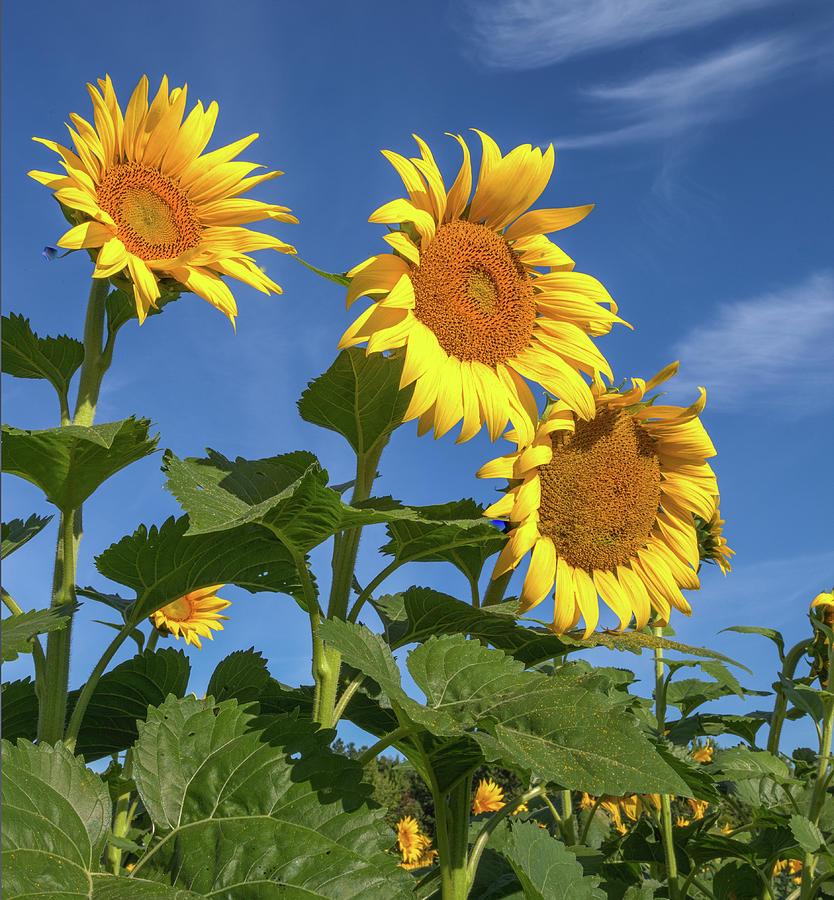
[
  {"x": 704, "y": 754},
  {"x": 489, "y": 797},
  {"x": 411, "y": 842},
  {"x": 478, "y": 297},
  {"x": 192, "y": 616},
  {"x": 151, "y": 206},
  {"x": 606, "y": 505}
]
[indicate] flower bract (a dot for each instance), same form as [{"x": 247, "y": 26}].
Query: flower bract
[
  {"x": 606, "y": 506},
  {"x": 193, "y": 615},
  {"x": 153, "y": 205},
  {"x": 463, "y": 293}
]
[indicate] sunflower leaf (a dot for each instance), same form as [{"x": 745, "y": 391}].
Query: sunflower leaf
[
  {"x": 122, "y": 698},
  {"x": 17, "y": 532},
  {"x": 70, "y": 462},
  {"x": 265, "y": 800},
  {"x": 19, "y": 630},
  {"x": 637, "y": 641},
  {"x": 56, "y": 816},
  {"x": 359, "y": 397},
  {"x": 162, "y": 563},
  {"x": 684, "y": 730},
  {"x": 546, "y": 869},
  {"x": 453, "y": 532},
  {"x": 287, "y": 494},
  {"x": 19, "y": 710},
  {"x": 25, "y": 355},
  {"x": 241, "y": 675}
]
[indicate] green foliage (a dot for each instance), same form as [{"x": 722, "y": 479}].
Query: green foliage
[
  {"x": 358, "y": 397},
  {"x": 19, "y": 709},
  {"x": 25, "y": 355},
  {"x": 70, "y": 462},
  {"x": 241, "y": 676},
  {"x": 17, "y": 532},
  {"x": 18, "y": 630}
]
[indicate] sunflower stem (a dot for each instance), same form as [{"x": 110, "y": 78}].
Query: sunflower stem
[
  {"x": 153, "y": 637},
  {"x": 53, "y": 685},
  {"x": 122, "y": 817},
  {"x": 452, "y": 817},
  {"x": 375, "y": 749},
  {"x": 494, "y": 592},
  {"x": 568, "y": 825},
  {"x": 780, "y": 705},
  {"x": 665, "y": 799}
]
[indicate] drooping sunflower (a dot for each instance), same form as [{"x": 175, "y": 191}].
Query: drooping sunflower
[
  {"x": 489, "y": 797},
  {"x": 155, "y": 205},
  {"x": 606, "y": 506},
  {"x": 193, "y": 615},
  {"x": 463, "y": 294}
]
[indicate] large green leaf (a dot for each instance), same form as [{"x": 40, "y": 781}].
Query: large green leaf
[
  {"x": 359, "y": 397},
  {"x": 122, "y": 697},
  {"x": 453, "y": 532},
  {"x": 26, "y": 355},
  {"x": 293, "y": 504},
  {"x": 545, "y": 868},
  {"x": 683, "y": 731},
  {"x": 161, "y": 564},
  {"x": 242, "y": 676},
  {"x": 275, "y": 812},
  {"x": 637, "y": 641},
  {"x": 19, "y": 630},
  {"x": 19, "y": 710},
  {"x": 17, "y": 532},
  {"x": 56, "y": 816},
  {"x": 70, "y": 462},
  {"x": 117, "y": 887}
]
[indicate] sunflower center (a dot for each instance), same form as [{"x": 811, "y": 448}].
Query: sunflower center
[
  {"x": 473, "y": 292},
  {"x": 154, "y": 218},
  {"x": 601, "y": 491},
  {"x": 178, "y": 611}
]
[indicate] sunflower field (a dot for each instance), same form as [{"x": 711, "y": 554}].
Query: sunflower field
[{"x": 511, "y": 751}]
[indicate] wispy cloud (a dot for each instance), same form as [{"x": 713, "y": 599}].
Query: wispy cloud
[
  {"x": 528, "y": 34},
  {"x": 770, "y": 349},
  {"x": 689, "y": 96}
]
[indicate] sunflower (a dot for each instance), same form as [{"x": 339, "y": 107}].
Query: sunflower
[
  {"x": 489, "y": 797},
  {"x": 152, "y": 205},
  {"x": 192, "y": 615},
  {"x": 462, "y": 293},
  {"x": 411, "y": 842},
  {"x": 607, "y": 507},
  {"x": 704, "y": 754}
]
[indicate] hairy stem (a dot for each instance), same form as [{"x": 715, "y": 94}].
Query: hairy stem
[
  {"x": 780, "y": 705},
  {"x": 665, "y": 799}
]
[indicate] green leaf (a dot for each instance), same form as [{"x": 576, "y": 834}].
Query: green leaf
[
  {"x": 122, "y": 606},
  {"x": 242, "y": 676},
  {"x": 770, "y": 633},
  {"x": 161, "y": 564},
  {"x": 737, "y": 881},
  {"x": 359, "y": 397},
  {"x": 807, "y": 834},
  {"x": 122, "y": 697},
  {"x": 117, "y": 887},
  {"x": 19, "y": 710},
  {"x": 802, "y": 696},
  {"x": 19, "y": 630},
  {"x": 683, "y": 731},
  {"x": 453, "y": 532},
  {"x": 56, "y": 816},
  {"x": 637, "y": 641},
  {"x": 545, "y": 868},
  {"x": 17, "y": 532},
  {"x": 700, "y": 784},
  {"x": 760, "y": 778},
  {"x": 25, "y": 355},
  {"x": 336, "y": 277},
  {"x": 495, "y": 879},
  {"x": 121, "y": 307},
  {"x": 70, "y": 462},
  {"x": 690, "y": 693},
  {"x": 276, "y": 812}
]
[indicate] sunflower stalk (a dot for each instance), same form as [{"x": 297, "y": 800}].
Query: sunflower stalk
[
  {"x": 780, "y": 705},
  {"x": 452, "y": 816},
  {"x": 122, "y": 817}
]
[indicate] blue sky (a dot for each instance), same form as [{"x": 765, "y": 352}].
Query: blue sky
[{"x": 701, "y": 131}]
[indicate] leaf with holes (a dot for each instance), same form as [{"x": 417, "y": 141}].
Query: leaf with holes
[
  {"x": 70, "y": 462},
  {"x": 17, "y": 532},
  {"x": 265, "y": 800}
]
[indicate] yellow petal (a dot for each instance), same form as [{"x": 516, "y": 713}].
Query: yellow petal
[
  {"x": 145, "y": 288},
  {"x": 545, "y": 221},
  {"x": 87, "y": 234},
  {"x": 541, "y": 574},
  {"x": 458, "y": 196}
]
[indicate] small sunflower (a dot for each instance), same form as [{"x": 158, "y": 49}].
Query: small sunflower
[
  {"x": 698, "y": 807},
  {"x": 423, "y": 861},
  {"x": 489, "y": 797},
  {"x": 152, "y": 205},
  {"x": 412, "y": 844},
  {"x": 193, "y": 615},
  {"x": 607, "y": 507},
  {"x": 463, "y": 294},
  {"x": 704, "y": 754}
]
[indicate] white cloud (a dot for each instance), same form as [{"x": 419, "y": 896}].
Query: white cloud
[
  {"x": 679, "y": 99},
  {"x": 772, "y": 349},
  {"x": 528, "y": 34}
]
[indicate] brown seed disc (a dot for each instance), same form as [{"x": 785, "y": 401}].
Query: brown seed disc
[
  {"x": 601, "y": 492},
  {"x": 473, "y": 292},
  {"x": 155, "y": 219}
]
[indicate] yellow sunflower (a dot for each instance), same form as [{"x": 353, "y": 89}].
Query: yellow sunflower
[
  {"x": 489, "y": 797},
  {"x": 607, "y": 507},
  {"x": 704, "y": 754},
  {"x": 463, "y": 294},
  {"x": 192, "y": 615},
  {"x": 154, "y": 206},
  {"x": 411, "y": 842}
]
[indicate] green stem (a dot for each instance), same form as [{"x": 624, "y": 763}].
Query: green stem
[
  {"x": 554, "y": 812},
  {"x": 153, "y": 637},
  {"x": 351, "y": 688},
  {"x": 496, "y": 588},
  {"x": 568, "y": 826},
  {"x": 476, "y": 594},
  {"x": 780, "y": 706},
  {"x": 9, "y": 603},
  {"x": 665, "y": 799},
  {"x": 53, "y": 685},
  {"x": 87, "y": 691},
  {"x": 375, "y": 749},
  {"x": 122, "y": 817},
  {"x": 453, "y": 809},
  {"x": 368, "y": 592},
  {"x": 587, "y": 826}
]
